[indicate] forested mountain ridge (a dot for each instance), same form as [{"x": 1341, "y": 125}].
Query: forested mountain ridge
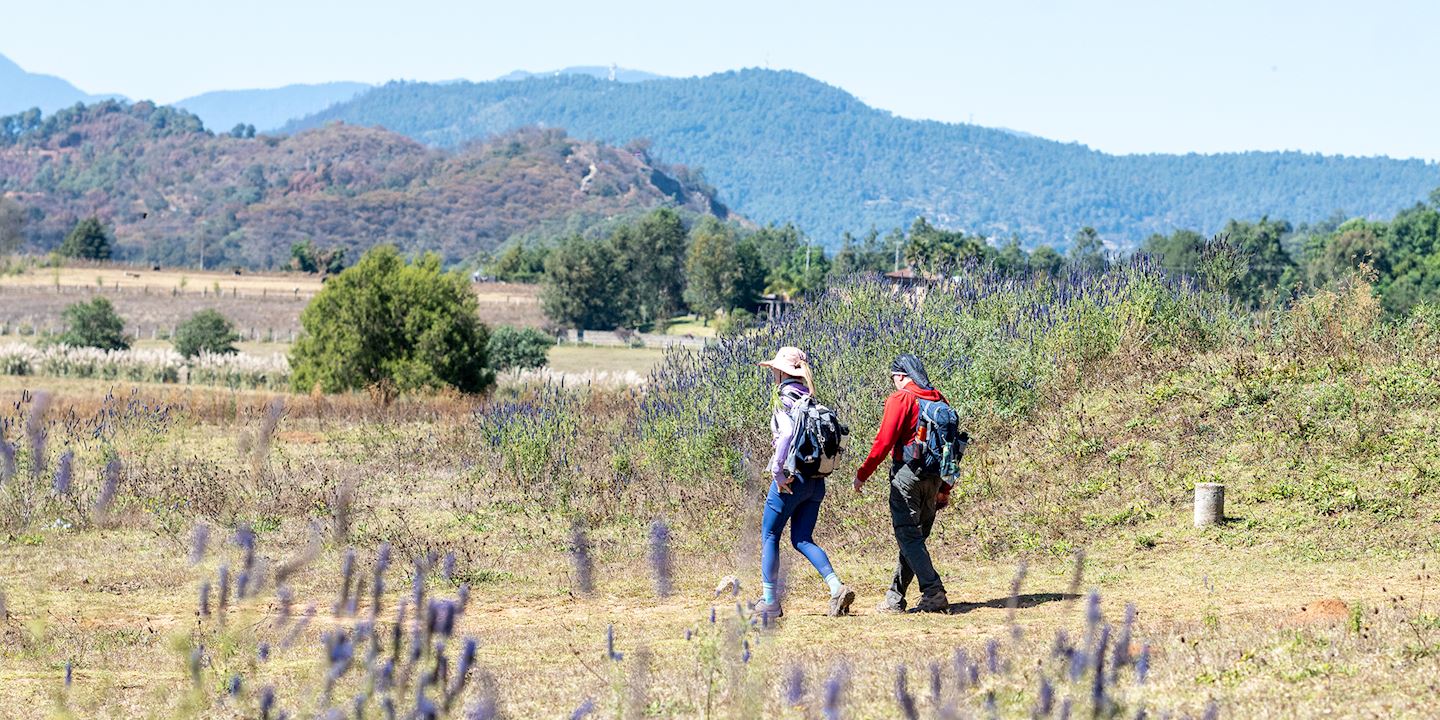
[
  {"x": 781, "y": 146},
  {"x": 174, "y": 192},
  {"x": 269, "y": 108}
]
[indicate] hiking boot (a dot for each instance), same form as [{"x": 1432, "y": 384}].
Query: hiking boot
[
  {"x": 840, "y": 602},
  {"x": 769, "y": 611},
  {"x": 889, "y": 606},
  {"x": 935, "y": 602}
]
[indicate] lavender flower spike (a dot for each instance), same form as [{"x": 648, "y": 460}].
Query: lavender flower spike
[
  {"x": 660, "y": 560},
  {"x": 63, "y": 471},
  {"x": 903, "y": 697}
]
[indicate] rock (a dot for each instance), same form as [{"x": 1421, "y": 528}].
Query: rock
[{"x": 728, "y": 584}]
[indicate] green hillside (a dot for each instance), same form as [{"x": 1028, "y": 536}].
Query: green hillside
[
  {"x": 781, "y": 146},
  {"x": 178, "y": 194}
]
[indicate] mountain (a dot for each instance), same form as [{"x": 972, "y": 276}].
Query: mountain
[
  {"x": 173, "y": 190},
  {"x": 21, "y": 90},
  {"x": 781, "y": 146},
  {"x": 267, "y": 109},
  {"x": 600, "y": 72}
]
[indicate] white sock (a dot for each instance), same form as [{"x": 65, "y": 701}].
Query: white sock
[{"x": 833, "y": 581}]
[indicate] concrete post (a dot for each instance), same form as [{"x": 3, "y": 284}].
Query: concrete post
[{"x": 1209, "y": 504}]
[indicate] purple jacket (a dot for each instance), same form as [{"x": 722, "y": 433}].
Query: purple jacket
[{"x": 782, "y": 427}]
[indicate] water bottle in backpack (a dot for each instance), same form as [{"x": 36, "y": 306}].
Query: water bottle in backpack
[{"x": 939, "y": 443}]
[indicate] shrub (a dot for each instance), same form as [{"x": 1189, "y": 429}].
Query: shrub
[
  {"x": 512, "y": 348},
  {"x": 94, "y": 324},
  {"x": 205, "y": 331},
  {"x": 385, "y": 319}
]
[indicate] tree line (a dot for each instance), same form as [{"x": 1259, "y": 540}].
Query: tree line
[{"x": 645, "y": 272}]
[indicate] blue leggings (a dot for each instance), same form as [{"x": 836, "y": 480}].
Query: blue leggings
[{"x": 801, "y": 509}]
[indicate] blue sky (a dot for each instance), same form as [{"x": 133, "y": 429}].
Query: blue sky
[{"x": 1125, "y": 76}]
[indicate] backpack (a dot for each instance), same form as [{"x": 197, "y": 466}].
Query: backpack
[
  {"x": 819, "y": 440},
  {"x": 939, "y": 442}
]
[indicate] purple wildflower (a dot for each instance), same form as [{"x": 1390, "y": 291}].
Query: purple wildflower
[
  {"x": 935, "y": 683},
  {"x": 962, "y": 668},
  {"x": 795, "y": 685},
  {"x": 1045, "y": 699},
  {"x": 992, "y": 656},
  {"x": 660, "y": 561},
  {"x": 35, "y": 431},
  {"x": 108, "y": 486},
  {"x": 197, "y": 655},
  {"x": 7, "y": 459},
  {"x": 447, "y": 569},
  {"x": 610, "y": 644},
  {"x": 835, "y": 694},
  {"x": 745, "y": 651},
  {"x": 1142, "y": 664},
  {"x": 1122, "y": 644},
  {"x": 1092, "y": 611},
  {"x": 205, "y": 599},
  {"x": 224, "y": 587},
  {"x": 580, "y": 557},
  {"x": 1078, "y": 574},
  {"x": 903, "y": 697},
  {"x": 69, "y": 673},
  {"x": 1097, "y": 690},
  {"x": 234, "y": 686},
  {"x": 1212, "y": 711},
  {"x": 347, "y": 570},
  {"x": 1064, "y": 713},
  {"x": 263, "y": 652},
  {"x": 267, "y": 701},
  {"x": 199, "y": 538},
  {"x": 63, "y": 470},
  {"x": 584, "y": 710}
]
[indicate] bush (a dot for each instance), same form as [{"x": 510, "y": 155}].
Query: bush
[
  {"x": 385, "y": 319},
  {"x": 94, "y": 324},
  {"x": 205, "y": 331},
  {"x": 512, "y": 348}
]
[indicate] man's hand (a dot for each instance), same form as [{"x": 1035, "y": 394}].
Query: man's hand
[
  {"x": 859, "y": 483},
  {"x": 942, "y": 498}
]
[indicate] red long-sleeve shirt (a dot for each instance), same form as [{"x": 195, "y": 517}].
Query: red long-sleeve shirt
[{"x": 897, "y": 427}]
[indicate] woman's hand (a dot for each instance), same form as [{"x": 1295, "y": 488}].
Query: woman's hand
[{"x": 783, "y": 484}]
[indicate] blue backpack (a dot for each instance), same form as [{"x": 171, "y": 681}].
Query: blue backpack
[{"x": 939, "y": 442}]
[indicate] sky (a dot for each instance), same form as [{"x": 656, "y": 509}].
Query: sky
[{"x": 1129, "y": 76}]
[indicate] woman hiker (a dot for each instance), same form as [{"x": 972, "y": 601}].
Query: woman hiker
[{"x": 792, "y": 498}]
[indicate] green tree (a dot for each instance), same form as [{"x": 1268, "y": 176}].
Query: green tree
[
  {"x": 1012, "y": 259},
  {"x": 585, "y": 285},
  {"x": 205, "y": 331},
  {"x": 1087, "y": 251},
  {"x": 1047, "y": 261},
  {"x": 933, "y": 249},
  {"x": 519, "y": 263},
  {"x": 12, "y": 226},
  {"x": 652, "y": 252},
  {"x": 94, "y": 324},
  {"x": 869, "y": 255},
  {"x": 389, "y": 320},
  {"x": 721, "y": 272},
  {"x": 1266, "y": 268},
  {"x": 519, "y": 348},
  {"x": 89, "y": 240},
  {"x": 1177, "y": 252}
]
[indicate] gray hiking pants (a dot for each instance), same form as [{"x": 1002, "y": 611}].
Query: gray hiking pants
[{"x": 912, "y": 511}]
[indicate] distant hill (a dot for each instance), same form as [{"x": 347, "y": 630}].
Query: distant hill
[
  {"x": 781, "y": 146},
  {"x": 601, "y": 72},
  {"x": 21, "y": 90},
  {"x": 172, "y": 189},
  {"x": 267, "y": 109}
]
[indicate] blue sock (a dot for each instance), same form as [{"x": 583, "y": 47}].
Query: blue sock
[
  {"x": 833, "y": 581},
  {"x": 769, "y": 590}
]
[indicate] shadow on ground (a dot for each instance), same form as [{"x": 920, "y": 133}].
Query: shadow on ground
[{"x": 1027, "y": 600}]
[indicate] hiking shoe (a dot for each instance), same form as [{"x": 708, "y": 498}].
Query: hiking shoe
[
  {"x": 890, "y": 607},
  {"x": 935, "y": 602},
  {"x": 840, "y": 602},
  {"x": 769, "y": 610}
]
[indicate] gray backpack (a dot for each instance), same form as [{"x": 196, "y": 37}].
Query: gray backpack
[{"x": 819, "y": 440}]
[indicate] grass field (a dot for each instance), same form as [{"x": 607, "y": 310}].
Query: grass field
[{"x": 579, "y": 545}]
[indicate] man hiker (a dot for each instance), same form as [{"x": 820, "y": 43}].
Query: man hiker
[{"x": 914, "y": 497}]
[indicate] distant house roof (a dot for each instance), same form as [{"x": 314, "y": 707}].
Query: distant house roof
[{"x": 910, "y": 275}]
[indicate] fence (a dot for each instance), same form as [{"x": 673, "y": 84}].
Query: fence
[{"x": 606, "y": 338}]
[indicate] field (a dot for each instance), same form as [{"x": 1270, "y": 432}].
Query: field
[
  {"x": 153, "y": 302},
  {"x": 589, "y": 529}
]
